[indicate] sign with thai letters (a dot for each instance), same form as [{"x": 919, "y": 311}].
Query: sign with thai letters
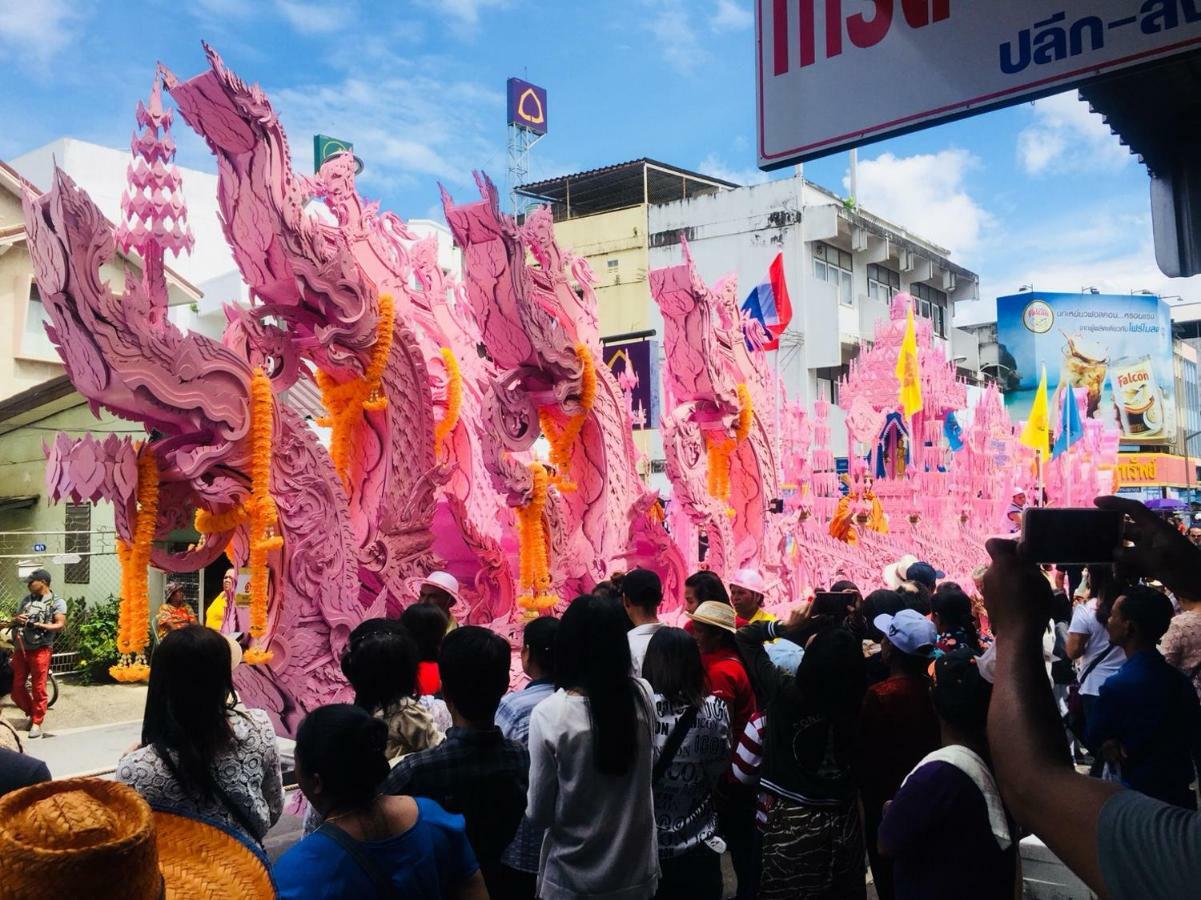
[{"x": 834, "y": 74}]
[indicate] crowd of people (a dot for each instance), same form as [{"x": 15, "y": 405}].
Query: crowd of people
[{"x": 918, "y": 729}]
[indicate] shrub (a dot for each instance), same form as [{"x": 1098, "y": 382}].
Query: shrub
[{"x": 97, "y": 646}]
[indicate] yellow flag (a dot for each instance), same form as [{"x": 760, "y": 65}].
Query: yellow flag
[
  {"x": 909, "y": 376},
  {"x": 1037, "y": 434}
]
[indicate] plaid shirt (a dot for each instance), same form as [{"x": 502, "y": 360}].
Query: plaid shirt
[
  {"x": 513, "y": 719},
  {"x": 478, "y": 774}
]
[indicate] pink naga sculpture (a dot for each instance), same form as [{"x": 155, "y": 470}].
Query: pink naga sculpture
[
  {"x": 193, "y": 395},
  {"x": 541, "y": 333},
  {"x": 717, "y": 436}
]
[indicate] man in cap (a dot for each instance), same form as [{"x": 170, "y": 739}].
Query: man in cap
[
  {"x": 747, "y": 590},
  {"x": 441, "y": 589},
  {"x": 1014, "y": 514},
  {"x": 40, "y": 616},
  {"x": 898, "y": 724},
  {"x": 910, "y": 568}
]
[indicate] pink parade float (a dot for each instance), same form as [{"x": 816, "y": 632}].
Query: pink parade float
[{"x": 436, "y": 392}]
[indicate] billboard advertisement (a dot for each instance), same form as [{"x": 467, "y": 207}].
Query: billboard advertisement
[
  {"x": 527, "y": 106},
  {"x": 1118, "y": 347},
  {"x": 637, "y": 360}
]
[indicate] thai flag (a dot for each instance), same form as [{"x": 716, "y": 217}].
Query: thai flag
[{"x": 768, "y": 304}]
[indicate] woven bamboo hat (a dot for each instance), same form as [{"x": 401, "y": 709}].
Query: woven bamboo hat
[
  {"x": 719, "y": 615},
  {"x": 85, "y": 837}
]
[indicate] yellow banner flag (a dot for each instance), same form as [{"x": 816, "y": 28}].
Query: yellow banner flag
[
  {"x": 909, "y": 376},
  {"x": 1037, "y": 433}
]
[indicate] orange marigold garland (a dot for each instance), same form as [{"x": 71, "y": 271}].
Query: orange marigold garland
[
  {"x": 534, "y": 575},
  {"x": 133, "y": 617},
  {"x": 346, "y": 402},
  {"x": 454, "y": 398},
  {"x": 261, "y": 510},
  {"x": 721, "y": 449},
  {"x": 562, "y": 438}
]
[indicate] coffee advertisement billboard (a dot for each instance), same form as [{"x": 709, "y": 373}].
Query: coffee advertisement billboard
[{"x": 1116, "y": 347}]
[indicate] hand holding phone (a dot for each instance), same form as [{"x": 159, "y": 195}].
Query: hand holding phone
[{"x": 1070, "y": 536}]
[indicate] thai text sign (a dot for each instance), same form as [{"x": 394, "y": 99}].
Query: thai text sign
[
  {"x": 527, "y": 106},
  {"x": 1116, "y": 348},
  {"x": 1150, "y": 470},
  {"x": 840, "y": 73}
]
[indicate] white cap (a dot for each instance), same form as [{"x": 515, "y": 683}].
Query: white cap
[
  {"x": 749, "y": 579},
  {"x": 443, "y": 581},
  {"x": 909, "y": 631},
  {"x": 897, "y": 572}
]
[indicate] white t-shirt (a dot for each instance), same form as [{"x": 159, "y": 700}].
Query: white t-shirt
[
  {"x": 640, "y": 637},
  {"x": 1084, "y": 621}
]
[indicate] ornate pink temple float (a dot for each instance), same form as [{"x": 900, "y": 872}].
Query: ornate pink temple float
[{"x": 436, "y": 392}]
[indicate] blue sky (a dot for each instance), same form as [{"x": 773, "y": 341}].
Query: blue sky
[{"x": 1038, "y": 193}]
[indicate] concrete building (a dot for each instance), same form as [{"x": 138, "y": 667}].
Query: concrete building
[{"x": 842, "y": 264}]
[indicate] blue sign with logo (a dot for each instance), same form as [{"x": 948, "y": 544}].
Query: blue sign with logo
[
  {"x": 527, "y": 106},
  {"x": 1115, "y": 348}
]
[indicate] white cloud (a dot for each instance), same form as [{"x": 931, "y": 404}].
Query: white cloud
[
  {"x": 716, "y": 167},
  {"x": 313, "y": 18},
  {"x": 409, "y": 127},
  {"x": 731, "y": 15},
  {"x": 464, "y": 15},
  {"x": 1065, "y": 137},
  {"x": 926, "y": 195},
  {"x": 38, "y": 30},
  {"x": 671, "y": 24}
]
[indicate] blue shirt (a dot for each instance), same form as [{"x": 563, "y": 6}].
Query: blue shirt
[
  {"x": 427, "y": 861},
  {"x": 513, "y": 719},
  {"x": 1151, "y": 709}
]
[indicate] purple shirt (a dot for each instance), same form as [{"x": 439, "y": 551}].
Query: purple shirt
[{"x": 937, "y": 833}]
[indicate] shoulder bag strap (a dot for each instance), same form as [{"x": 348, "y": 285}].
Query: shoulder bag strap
[
  {"x": 1088, "y": 670},
  {"x": 232, "y": 807},
  {"x": 674, "y": 741},
  {"x": 384, "y": 886}
]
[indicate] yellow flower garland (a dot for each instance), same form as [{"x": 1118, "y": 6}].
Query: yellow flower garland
[
  {"x": 261, "y": 508},
  {"x": 346, "y": 402},
  {"x": 454, "y": 398},
  {"x": 133, "y": 617},
  {"x": 721, "y": 449},
  {"x": 534, "y": 575},
  {"x": 562, "y": 439}
]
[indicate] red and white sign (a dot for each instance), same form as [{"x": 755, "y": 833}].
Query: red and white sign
[{"x": 841, "y": 73}]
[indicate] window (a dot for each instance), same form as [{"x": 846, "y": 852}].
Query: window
[
  {"x": 835, "y": 267},
  {"x": 611, "y": 265},
  {"x": 882, "y": 283},
  {"x": 34, "y": 342},
  {"x": 78, "y": 525},
  {"x": 932, "y": 304}
]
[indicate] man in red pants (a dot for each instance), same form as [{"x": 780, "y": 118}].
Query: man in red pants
[{"x": 39, "y": 618}]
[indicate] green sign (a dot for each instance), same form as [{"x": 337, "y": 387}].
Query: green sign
[{"x": 325, "y": 146}]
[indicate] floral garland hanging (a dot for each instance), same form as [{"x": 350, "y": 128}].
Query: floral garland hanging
[
  {"x": 261, "y": 510},
  {"x": 454, "y": 398},
  {"x": 346, "y": 402},
  {"x": 562, "y": 438},
  {"x": 534, "y": 573},
  {"x": 721, "y": 449},
  {"x": 133, "y": 616}
]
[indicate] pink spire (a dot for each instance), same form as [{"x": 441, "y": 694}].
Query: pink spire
[{"x": 154, "y": 214}]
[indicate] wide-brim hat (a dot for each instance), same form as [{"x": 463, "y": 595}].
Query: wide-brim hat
[
  {"x": 895, "y": 573},
  {"x": 444, "y": 581},
  {"x": 99, "y": 839},
  {"x": 715, "y": 613},
  {"x": 170, "y": 588}
]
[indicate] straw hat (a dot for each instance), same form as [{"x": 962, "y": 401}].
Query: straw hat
[
  {"x": 99, "y": 839},
  {"x": 715, "y": 613}
]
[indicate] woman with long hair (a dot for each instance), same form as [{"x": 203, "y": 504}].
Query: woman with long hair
[
  {"x": 427, "y": 625},
  {"x": 812, "y": 840},
  {"x": 380, "y": 662},
  {"x": 200, "y": 755},
  {"x": 692, "y": 745},
  {"x": 702, "y": 586},
  {"x": 955, "y": 620},
  {"x": 371, "y": 845},
  {"x": 590, "y": 764}
]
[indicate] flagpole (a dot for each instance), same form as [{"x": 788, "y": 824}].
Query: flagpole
[{"x": 1042, "y": 490}]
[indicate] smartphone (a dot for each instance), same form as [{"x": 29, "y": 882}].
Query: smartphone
[
  {"x": 832, "y": 603},
  {"x": 1070, "y": 536}
]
